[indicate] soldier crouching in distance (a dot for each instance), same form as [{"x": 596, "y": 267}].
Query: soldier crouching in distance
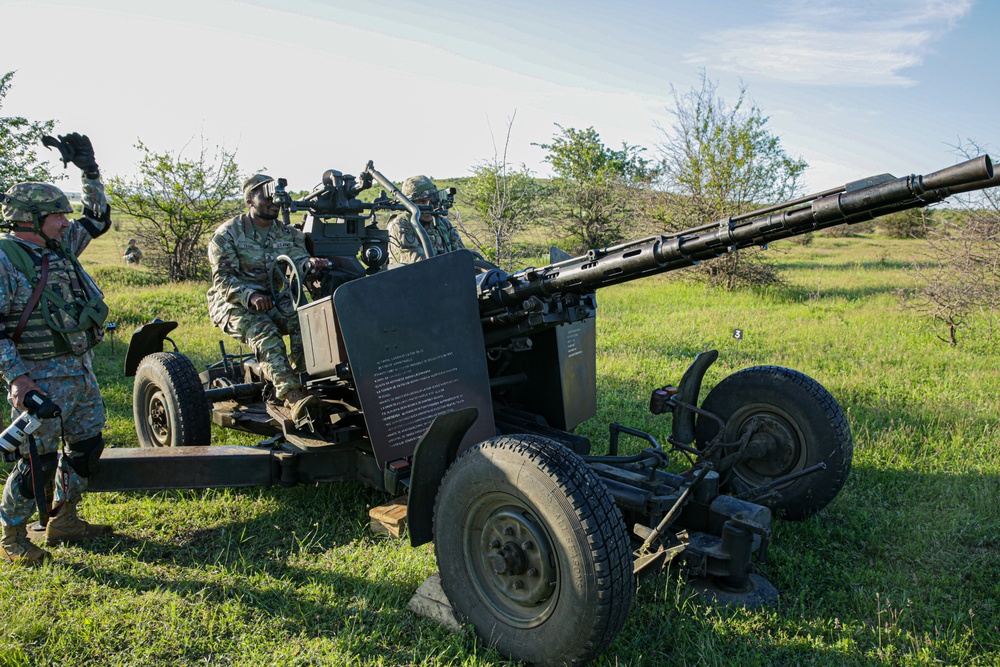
[
  {"x": 404, "y": 246},
  {"x": 132, "y": 254},
  {"x": 51, "y": 316},
  {"x": 242, "y": 253}
]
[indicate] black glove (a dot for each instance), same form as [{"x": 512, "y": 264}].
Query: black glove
[
  {"x": 76, "y": 148},
  {"x": 83, "y": 153}
]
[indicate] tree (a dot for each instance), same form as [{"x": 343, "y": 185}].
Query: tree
[
  {"x": 719, "y": 160},
  {"x": 176, "y": 203},
  {"x": 959, "y": 275},
  {"x": 505, "y": 198},
  {"x": 595, "y": 186},
  {"x": 19, "y": 142}
]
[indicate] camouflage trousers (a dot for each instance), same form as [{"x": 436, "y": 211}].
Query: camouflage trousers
[
  {"x": 262, "y": 332},
  {"x": 82, "y": 418}
]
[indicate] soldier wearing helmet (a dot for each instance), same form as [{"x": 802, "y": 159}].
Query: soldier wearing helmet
[
  {"x": 242, "y": 253},
  {"x": 132, "y": 254},
  {"x": 404, "y": 245},
  {"x": 51, "y": 316}
]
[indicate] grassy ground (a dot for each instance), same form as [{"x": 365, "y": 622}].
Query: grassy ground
[{"x": 903, "y": 568}]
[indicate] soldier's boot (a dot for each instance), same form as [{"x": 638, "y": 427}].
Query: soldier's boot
[
  {"x": 299, "y": 402},
  {"x": 68, "y": 527},
  {"x": 15, "y": 547}
]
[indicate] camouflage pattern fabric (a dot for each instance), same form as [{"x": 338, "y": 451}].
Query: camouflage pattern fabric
[
  {"x": 404, "y": 246},
  {"x": 241, "y": 256},
  {"x": 418, "y": 187},
  {"x": 132, "y": 254},
  {"x": 47, "y": 198},
  {"x": 15, "y": 290},
  {"x": 82, "y": 417},
  {"x": 68, "y": 379},
  {"x": 263, "y": 333},
  {"x": 255, "y": 181}
]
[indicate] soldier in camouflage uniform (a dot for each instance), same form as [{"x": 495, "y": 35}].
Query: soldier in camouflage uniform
[
  {"x": 404, "y": 246},
  {"x": 132, "y": 254},
  {"x": 242, "y": 252},
  {"x": 48, "y": 348}
]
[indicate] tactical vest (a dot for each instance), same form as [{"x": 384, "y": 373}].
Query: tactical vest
[
  {"x": 444, "y": 233},
  {"x": 439, "y": 232},
  {"x": 60, "y": 323}
]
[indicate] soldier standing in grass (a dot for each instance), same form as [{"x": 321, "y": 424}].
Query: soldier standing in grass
[
  {"x": 51, "y": 316},
  {"x": 242, "y": 253},
  {"x": 404, "y": 246}
]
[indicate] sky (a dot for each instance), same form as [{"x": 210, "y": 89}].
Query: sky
[{"x": 295, "y": 87}]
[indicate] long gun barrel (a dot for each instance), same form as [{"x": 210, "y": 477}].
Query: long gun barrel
[{"x": 522, "y": 301}]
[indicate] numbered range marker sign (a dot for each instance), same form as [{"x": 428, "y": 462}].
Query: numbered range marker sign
[{"x": 738, "y": 334}]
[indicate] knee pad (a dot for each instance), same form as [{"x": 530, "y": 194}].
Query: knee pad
[
  {"x": 22, "y": 473},
  {"x": 85, "y": 455}
]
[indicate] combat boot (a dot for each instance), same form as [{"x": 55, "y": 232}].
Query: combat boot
[
  {"x": 17, "y": 548},
  {"x": 68, "y": 527},
  {"x": 299, "y": 401}
]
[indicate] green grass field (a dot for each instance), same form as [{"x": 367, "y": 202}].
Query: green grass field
[{"x": 903, "y": 568}]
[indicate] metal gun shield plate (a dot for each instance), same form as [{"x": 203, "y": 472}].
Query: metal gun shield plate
[{"x": 416, "y": 350}]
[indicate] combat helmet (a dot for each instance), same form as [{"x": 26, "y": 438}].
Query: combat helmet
[
  {"x": 31, "y": 202},
  {"x": 419, "y": 187}
]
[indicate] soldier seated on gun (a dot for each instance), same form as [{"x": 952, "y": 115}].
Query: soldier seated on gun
[
  {"x": 242, "y": 253},
  {"x": 51, "y": 316},
  {"x": 404, "y": 245},
  {"x": 132, "y": 254}
]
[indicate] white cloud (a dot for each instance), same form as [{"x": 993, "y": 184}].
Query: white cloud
[{"x": 834, "y": 42}]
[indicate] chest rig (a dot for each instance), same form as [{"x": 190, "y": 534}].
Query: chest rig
[{"x": 67, "y": 310}]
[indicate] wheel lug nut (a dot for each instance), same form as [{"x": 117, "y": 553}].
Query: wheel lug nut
[
  {"x": 499, "y": 564},
  {"x": 518, "y": 585},
  {"x": 532, "y": 572},
  {"x": 527, "y": 545},
  {"x": 508, "y": 531},
  {"x": 495, "y": 544}
]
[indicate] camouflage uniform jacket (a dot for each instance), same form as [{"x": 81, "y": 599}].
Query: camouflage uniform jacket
[
  {"x": 242, "y": 255},
  {"x": 132, "y": 254},
  {"x": 404, "y": 246},
  {"x": 16, "y": 289}
]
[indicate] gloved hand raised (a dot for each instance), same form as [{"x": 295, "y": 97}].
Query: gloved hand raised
[{"x": 76, "y": 148}]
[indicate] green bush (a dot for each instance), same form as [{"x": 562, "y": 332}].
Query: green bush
[{"x": 911, "y": 224}]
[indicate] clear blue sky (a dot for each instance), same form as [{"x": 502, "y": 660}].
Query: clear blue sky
[{"x": 300, "y": 86}]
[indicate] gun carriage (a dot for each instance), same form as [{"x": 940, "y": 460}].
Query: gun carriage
[{"x": 461, "y": 385}]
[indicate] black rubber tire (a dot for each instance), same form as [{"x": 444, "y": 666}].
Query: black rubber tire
[
  {"x": 803, "y": 426},
  {"x": 559, "y": 520},
  {"x": 169, "y": 404}
]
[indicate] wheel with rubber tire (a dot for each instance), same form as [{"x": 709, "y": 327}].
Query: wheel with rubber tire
[
  {"x": 168, "y": 402},
  {"x": 533, "y": 551},
  {"x": 796, "y": 424}
]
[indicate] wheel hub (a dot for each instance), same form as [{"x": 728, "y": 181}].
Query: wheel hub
[
  {"x": 510, "y": 559},
  {"x": 157, "y": 418},
  {"x": 516, "y": 559},
  {"x": 774, "y": 448}
]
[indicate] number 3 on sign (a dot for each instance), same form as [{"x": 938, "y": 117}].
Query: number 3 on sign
[{"x": 738, "y": 334}]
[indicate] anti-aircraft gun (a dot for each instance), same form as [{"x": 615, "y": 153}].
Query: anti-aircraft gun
[{"x": 461, "y": 385}]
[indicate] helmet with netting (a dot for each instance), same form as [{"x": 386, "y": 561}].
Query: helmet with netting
[
  {"x": 25, "y": 202},
  {"x": 419, "y": 187}
]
